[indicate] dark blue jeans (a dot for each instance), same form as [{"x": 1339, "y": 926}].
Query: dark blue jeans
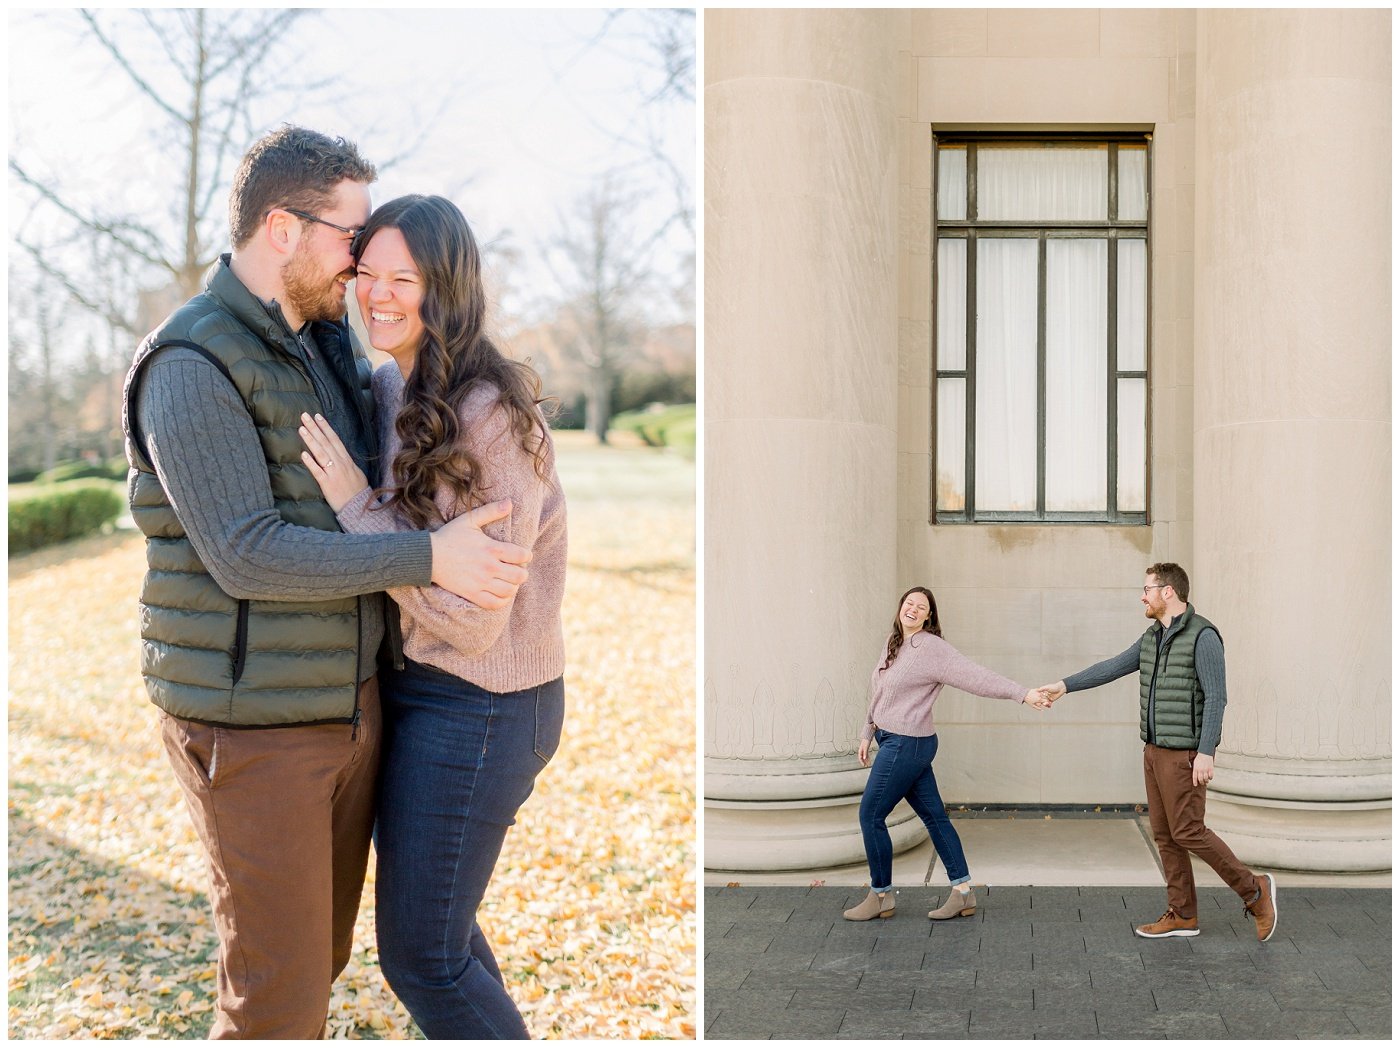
[
  {"x": 458, "y": 763},
  {"x": 903, "y": 770}
]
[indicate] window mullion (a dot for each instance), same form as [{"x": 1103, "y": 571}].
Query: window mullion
[
  {"x": 933, "y": 334},
  {"x": 970, "y": 363},
  {"x": 972, "y": 181},
  {"x": 1112, "y": 373},
  {"x": 1112, "y": 182},
  {"x": 1040, "y": 392}
]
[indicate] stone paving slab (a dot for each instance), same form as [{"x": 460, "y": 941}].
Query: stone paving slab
[{"x": 1052, "y": 962}]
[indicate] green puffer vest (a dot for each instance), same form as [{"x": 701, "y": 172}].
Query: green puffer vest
[
  {"x": 205, "y": 655},
  {"x": 1171, "y": 700}
]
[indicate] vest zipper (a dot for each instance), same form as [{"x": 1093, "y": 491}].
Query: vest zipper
[
  {"x": 1162, "y": 650},
  {"x": 240, "y": 642}
]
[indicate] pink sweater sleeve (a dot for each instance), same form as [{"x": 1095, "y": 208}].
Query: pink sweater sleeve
[
  {"x": 508, "y": 472},
  {"x": 950, "y": 666}
]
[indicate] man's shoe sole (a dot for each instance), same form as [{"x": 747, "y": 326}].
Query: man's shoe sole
[{"x": 1187, "y": 932}]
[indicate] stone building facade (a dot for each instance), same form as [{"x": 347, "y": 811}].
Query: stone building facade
[{"x": 1265, "y": 443}]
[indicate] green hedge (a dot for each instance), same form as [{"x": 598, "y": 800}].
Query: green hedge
[
  {"x": 672, "y": 427},
  {"x": 77, "y": 469},
  {"x": 40, "y": 518}
]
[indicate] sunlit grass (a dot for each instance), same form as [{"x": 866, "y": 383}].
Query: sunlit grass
[{"x": 592, "y": 912}]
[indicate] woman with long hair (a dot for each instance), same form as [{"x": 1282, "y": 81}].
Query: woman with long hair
[
  {"x": 474, "y": 711},
  {"x": 914, "y": 666}
]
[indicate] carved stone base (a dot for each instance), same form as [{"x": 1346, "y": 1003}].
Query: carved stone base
[
  {"x": 769, "y": 836},
  {"x": 1325, "y": 837}
]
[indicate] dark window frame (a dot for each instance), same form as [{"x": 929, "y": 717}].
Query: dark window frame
[{"x": 1113, "y": 230}]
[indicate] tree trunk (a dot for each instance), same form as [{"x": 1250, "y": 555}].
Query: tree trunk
[
  {"x": 598, "y": 413},
  {"x": 190, "y": 268},
  {"x": 111, "y": 393},
  {"x": 47, "y": 437}
]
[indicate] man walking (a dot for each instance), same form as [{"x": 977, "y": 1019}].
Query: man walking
[
  {"x": 261, "y": 621},
  {"x": 1181, "y": 663}
]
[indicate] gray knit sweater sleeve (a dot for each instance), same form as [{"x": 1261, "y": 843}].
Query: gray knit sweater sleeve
[
  {"x": 206, "y": 452},
  {"x": 1106, "y": 671},
  {"x": 1210, "y": 671}
]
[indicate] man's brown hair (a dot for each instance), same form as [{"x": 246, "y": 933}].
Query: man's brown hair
[
  {"x": 291, "y": 168},
  {"x": 1173, "y": 575}
]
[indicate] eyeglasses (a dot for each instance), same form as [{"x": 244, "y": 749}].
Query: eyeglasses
[
  {"x": 1162, "y": 586},
  {"x": 353, "y": 234}
]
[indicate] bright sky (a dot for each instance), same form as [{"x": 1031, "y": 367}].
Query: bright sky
[{"x": 524, "y": 111}]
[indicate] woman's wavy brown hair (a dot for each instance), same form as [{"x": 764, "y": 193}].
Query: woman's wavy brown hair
[
  {"x": 930, "y": 625},
  {"x": 454, "y": 357}
]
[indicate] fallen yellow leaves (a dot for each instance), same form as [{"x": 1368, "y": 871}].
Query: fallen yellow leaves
[{"x": 592, "y": 910}]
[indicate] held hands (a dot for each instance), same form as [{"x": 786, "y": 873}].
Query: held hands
[
  {"x": 335, "y": 471},
  {"x": 1036, "y": 698},
  {"x": 1202, "y": 769},
  {"x": 1043, "y": 697}
]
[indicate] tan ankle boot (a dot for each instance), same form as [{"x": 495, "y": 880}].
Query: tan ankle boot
[
  {"x": 875, "y": 905},
  {"x": 958, "y": 904}
]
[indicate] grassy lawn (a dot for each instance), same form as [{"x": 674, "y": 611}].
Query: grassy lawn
[{"x": 592, "y": 912}]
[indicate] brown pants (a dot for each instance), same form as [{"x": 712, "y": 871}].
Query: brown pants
[
  {"x": 1177, "y": 812},
  {"x": 285, "y": 815}
]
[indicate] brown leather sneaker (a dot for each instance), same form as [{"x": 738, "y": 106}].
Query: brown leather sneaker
[
  {"x": 1264, "y": 909},
  {"x": 1170, "y": 923}
]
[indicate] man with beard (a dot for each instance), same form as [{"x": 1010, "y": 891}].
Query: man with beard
[
  {"x": 261, "y": 621},
  {"x": 1181, "y": 665}
]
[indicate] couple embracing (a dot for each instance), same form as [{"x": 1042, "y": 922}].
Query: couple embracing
[
  {"x": 284, "y": 489},
  {"x": 1180, "y": 660}
]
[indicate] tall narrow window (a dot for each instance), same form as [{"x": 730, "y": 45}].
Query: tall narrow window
[{"x": 1040, "y": 328}]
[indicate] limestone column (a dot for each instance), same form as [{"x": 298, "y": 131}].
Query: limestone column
[
  {"x": 801, "y": 305},
  {"x": 1292, "y": 427}
]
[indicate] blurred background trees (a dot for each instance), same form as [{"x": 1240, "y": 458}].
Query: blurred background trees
[{"x": 126, "y": 126}]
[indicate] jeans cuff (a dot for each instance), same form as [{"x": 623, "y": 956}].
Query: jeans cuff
[
  {"x": 881, "y": 891},
  {"x": 961, "y": 880}
]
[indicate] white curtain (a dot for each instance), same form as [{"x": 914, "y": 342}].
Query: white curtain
[
  {"x": 952, "y": 183},
  {"x": 1006, "y": 373},
  {"x": 1132, "y": 183},
  {"x": 1063, "y": 183},
  {"x": 952, "y": 443},
  {"x": 952, "y": 304},
  {"x": 1076, "y": 374},
  {"x": 951, "y": 436},
  {"x": 1132, "y": 445},
  {"x": 1132, "y": 305}
]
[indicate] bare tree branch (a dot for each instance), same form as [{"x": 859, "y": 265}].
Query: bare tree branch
[
  {"x": 102, "y": 308},
  {"x": 136, "y": 78},
  {"x": 167, "y": 45},
  {"x": 602, "y": 271},
  {"x": 118, "y": 231}
]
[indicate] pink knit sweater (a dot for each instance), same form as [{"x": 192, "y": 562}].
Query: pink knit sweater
[
  {"x": 902, "y": 697},
  {"x": 521, "y": 645}
]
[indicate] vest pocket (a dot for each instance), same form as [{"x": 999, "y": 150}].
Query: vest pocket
[{"x": 240, "y": 641}]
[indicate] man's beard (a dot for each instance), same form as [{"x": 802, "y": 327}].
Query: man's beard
[{"x": 307, "y": 290}]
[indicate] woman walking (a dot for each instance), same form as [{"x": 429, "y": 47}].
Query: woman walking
[
  {"x": 915, "y": 665},
  {"x": 474, "y": 711}
]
